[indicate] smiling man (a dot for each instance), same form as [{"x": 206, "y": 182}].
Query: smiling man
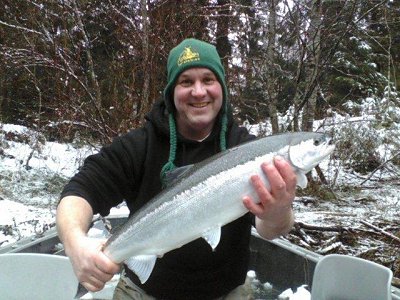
[
  {"x": 192, "y": 122},
  {"x": 198, "y": 99}
]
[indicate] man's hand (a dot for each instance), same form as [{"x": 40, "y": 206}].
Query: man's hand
[
  {"x": 274, "y": 214},
  {"x": 92, "y": 267}
]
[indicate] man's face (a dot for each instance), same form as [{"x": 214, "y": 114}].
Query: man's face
[{"x": 198, "y": 98}]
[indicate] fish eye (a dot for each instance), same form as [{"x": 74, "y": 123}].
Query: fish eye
[{"x": 316, "y": 142}]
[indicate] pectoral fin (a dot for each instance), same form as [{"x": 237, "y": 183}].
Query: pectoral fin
[
  {"x": 142, "y": 265},
  {"x": 301, "y": 180},
  {"x": 213, "y": 236}
]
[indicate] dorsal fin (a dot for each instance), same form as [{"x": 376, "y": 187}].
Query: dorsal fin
[{"x": 176, "y": 174}]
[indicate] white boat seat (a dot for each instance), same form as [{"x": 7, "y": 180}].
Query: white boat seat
[
  {"x": 343, "y": 277},
  {"x": 36, "y": 276}
]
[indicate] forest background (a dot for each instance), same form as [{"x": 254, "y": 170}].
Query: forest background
[{"x": 95, "y": 67}]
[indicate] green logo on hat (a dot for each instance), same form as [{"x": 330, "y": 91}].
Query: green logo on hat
[{"x": 188, "y": 55}]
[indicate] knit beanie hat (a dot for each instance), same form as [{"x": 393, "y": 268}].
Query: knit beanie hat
[{"x": 192, "y": 53}]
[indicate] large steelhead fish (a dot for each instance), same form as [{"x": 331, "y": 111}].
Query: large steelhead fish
[{"x": 206, "y": 196}]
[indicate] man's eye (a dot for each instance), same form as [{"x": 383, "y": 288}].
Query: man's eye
[
  {"x": 185, "y": 82},
  {"x": 209, "y": 80}
]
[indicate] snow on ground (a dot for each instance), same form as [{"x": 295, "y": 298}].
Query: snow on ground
[
  {"x": 30, "y": 150},
  {"x": 32, "y": 173},
  {"x": 18, "y": 220}
]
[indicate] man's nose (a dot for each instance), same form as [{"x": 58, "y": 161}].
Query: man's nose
[{"x": 199, "y": 89}]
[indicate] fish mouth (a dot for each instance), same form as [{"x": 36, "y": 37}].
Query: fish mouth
[{"x": 199, "y": 104}]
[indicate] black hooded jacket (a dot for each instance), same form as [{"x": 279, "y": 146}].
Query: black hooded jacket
[{"x": 129, "y": 169}]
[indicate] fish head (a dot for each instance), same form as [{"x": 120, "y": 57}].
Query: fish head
[{"x": 308, "y": 153}]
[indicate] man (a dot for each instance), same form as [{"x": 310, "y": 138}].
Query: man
[{"x": 190, "y": 124}]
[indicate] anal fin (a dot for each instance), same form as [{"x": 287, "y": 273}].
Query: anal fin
[{"x": 142, "y": 266}]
